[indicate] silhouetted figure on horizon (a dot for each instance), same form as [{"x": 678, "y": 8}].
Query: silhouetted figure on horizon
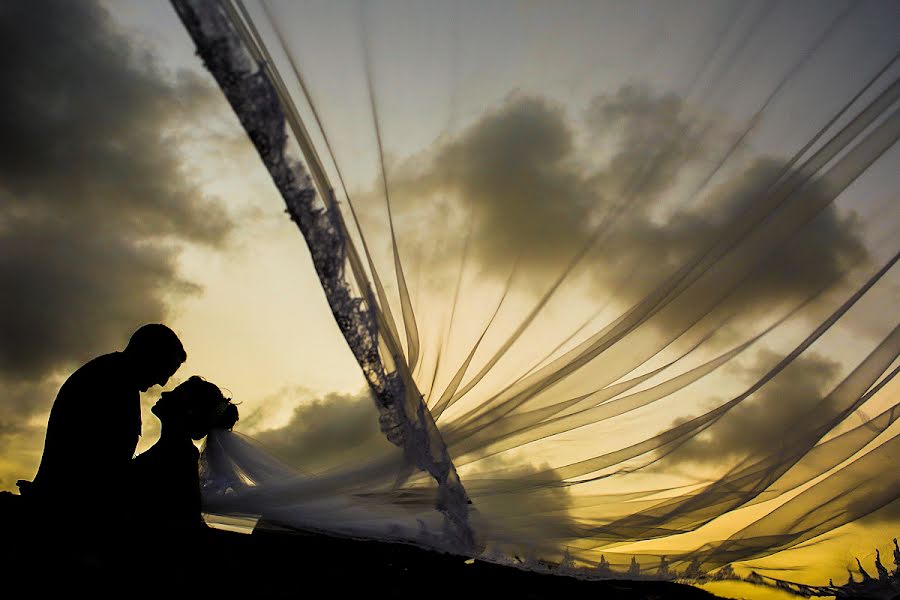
[
  {"x": 166, "y": 478},
  {"x": 93, "y": 431}
]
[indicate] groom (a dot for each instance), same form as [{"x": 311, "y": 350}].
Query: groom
[{"x": 95, "y": 423}]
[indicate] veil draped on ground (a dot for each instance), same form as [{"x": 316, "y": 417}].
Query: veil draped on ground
[{"x": 621, "y": 277}]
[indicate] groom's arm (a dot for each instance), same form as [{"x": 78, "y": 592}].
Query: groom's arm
[{"x": 115, "y": 430}]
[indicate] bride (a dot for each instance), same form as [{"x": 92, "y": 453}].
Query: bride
[{"x": 165, "y": 479}]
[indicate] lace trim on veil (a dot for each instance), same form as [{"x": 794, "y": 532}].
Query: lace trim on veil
[{"x": 228, "y": 53}]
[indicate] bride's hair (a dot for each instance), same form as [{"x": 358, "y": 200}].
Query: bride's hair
[{"x": 206, "y": 408}]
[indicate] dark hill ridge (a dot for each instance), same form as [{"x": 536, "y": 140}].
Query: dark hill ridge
[
  {"x": 403, "y": 571},
  {"x": 127, "y": 563}
]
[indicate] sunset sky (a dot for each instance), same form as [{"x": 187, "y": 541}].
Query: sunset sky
[{"x": 130, "y": 194}]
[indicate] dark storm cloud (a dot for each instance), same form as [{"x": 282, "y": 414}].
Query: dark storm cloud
[
  {"x": 71, "y": 294},
  {"x": 818, "y": 255},
  {"x": 537, "y": 195},
  {"x": 328, "y": 431},
  {"x": 759, "y": 425},
  {"x": 95, "y": 204},
  {"x": 515, "y": 170},
  {"x": 651, "y": 136}
]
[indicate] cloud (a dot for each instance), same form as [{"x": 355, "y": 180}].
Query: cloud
[
  {"x": 522, "y": 505},
  {"x": 20, "y": 445},
  {"x": 652, "y": 137},
  {"x": 816, "y": 257},
  {"x": 95, "y": 203},
  {"x": 20, "y": 439},
  {"x": 758, "y": 426},
  {"x": 72, "y": 295},
  {"x": 540, "y": 184},
  {"x": 327, "y": 431},
  {"x": 514, "y": 170}
]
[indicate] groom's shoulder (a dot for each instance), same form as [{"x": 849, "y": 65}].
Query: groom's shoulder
[
  {"x": 107, "y": 369},
  {"x": 112, "y": 363}
]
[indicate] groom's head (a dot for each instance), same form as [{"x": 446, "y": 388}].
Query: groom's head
[{"x": 155, "y": 353}]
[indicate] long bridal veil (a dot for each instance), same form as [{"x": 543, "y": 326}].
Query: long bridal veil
[{"x": 620, "y": 276}]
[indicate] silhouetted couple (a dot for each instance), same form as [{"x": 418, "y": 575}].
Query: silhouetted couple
[{"x": 88, "y": 481}]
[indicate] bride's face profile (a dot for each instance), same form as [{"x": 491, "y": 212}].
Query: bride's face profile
[
  {"x": 162, "y": 407},
  {"x": 175, "y": 411},
  {"x": 176, "y": 407},
  {"x": 192, "y": 408}
]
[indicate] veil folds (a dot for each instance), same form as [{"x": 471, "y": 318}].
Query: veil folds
[{"x": 592, "y": 322}]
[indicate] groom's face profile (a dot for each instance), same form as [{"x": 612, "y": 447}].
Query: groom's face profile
[
  {"x": 157, "y": 373},
  {"x": 153, "y": 354}
]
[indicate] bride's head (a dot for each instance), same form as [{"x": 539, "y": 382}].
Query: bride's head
[{"x": 197, "y": 406}]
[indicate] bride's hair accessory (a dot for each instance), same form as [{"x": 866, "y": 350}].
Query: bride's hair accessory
[
  {"x": 224, "y": 415},
  {"x": 220, "y": 409}
]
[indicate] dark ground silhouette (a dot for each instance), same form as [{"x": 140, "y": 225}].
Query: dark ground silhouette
[{"x": 277, "y": 564}]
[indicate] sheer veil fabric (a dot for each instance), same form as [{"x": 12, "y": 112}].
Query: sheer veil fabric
[{"x": 621, "y": 281}]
